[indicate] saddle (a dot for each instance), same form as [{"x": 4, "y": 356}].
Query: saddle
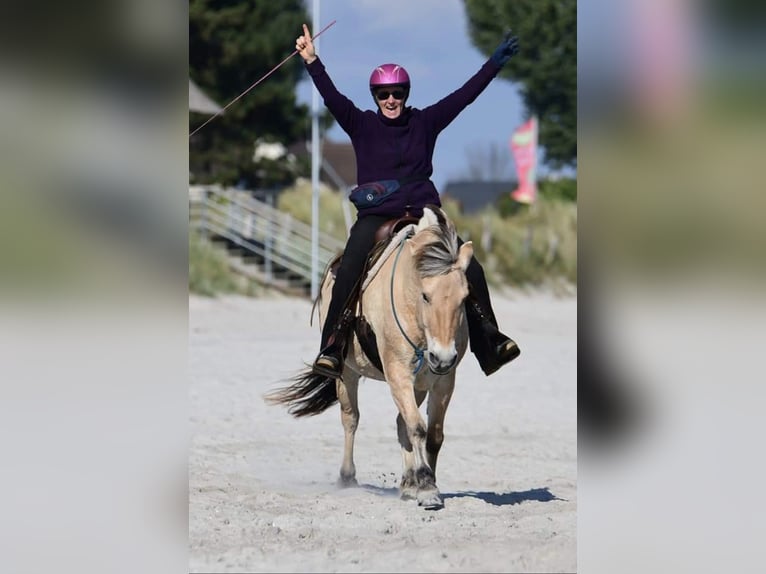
[
  {"x": 390, "y": 228},
  {"x": 383, "y": 236}
]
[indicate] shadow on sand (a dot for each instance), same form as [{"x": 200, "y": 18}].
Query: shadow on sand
[
  {"x": 495, "y": 498},
  {"x": 507, "y": 498}
]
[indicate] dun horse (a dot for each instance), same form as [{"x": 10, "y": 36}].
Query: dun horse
[{"x": 412, "y": 305}]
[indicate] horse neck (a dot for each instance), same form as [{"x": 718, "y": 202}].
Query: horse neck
[
  {"x": 406, "y": 277},
  {"x": 406, "y": 289}
]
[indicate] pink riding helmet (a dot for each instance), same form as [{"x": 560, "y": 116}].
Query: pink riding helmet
[{"x": 388, "y": 75}]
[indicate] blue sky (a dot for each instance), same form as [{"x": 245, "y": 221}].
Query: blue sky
[{"x": 430, "y": 39}]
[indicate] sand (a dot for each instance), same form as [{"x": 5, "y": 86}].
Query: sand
[{"x": 262, "y": 494}]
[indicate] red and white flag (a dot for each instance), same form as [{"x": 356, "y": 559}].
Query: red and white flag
[{"x": 524, "y": 149}]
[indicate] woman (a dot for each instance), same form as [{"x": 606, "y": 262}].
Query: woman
[{"x": 397, "y": 143}]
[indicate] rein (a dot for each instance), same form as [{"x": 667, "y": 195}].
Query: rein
[{"x": 418, "y": 358}]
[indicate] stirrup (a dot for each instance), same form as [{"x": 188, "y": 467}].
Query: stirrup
[
  {"x": 508, "y": 351},
  {"x": 502, "y": 354},
  {"x": 328, "y": 365}
]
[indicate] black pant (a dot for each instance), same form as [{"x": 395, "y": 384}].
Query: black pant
[{"x": 360, "y": 242}]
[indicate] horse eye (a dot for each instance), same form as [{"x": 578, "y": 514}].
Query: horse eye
[{"x": 425, "y": 298}]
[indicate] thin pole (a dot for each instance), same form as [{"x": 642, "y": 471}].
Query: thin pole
[{"x": 316, "y": 161}]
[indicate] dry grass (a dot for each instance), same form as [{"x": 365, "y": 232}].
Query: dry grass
[{"x": 534, "y": 247}]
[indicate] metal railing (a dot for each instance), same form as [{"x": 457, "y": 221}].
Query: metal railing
[{"x": 279, "y": 244}]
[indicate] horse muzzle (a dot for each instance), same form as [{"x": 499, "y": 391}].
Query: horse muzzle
[{"x": 439, "y": 364}]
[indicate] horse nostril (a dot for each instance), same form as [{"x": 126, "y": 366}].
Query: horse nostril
[{"x": 439, "y": 364}]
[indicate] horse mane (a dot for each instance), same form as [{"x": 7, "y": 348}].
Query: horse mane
[{"x": 439, "y": 253}]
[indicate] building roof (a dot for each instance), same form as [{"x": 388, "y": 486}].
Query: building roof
[
  {"x": 199, "y": 102},
  {"x": 475, "y": 195},
  {"x": 338, "y": 162}
]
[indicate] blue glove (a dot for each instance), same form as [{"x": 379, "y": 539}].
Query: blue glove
[{"x": 507, "y": 48}]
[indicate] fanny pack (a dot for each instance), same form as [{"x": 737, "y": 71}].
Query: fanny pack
[{"x": 376, "y": 193}]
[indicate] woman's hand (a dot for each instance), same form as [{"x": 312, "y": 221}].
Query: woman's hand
[
  {"x": 508, "y": 48},
  {"x": 305, "y": 46}
]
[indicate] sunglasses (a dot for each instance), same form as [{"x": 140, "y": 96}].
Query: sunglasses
[{"x": 398, "y": 94}]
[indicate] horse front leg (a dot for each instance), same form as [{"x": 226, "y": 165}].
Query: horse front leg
[
  {"x": 438, "y": 401},
  {"x": 349, "y": 416},
  {"x": 408, "y": 487},
  {"x": 418, "y": 472}
]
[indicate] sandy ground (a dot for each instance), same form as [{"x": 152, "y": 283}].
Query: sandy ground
[{"x": 262, "y": 495}]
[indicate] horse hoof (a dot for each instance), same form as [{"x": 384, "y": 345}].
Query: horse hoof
[
  {"x": 409, "y": 494},
  {"x": 430, "y": 500},
  {"x": 347, "y": 482}
]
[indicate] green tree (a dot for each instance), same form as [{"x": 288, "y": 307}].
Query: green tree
[
  {"x": 233, "y": 43},
  {"x": 545, "y": 67}
]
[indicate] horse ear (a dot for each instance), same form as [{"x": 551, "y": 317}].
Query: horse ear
[
  {"x": 464, "y": 255},
  {"x": 427, "y": 220}
]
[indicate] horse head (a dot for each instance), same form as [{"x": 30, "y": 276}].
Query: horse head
[{"x": 441, "y": 264}]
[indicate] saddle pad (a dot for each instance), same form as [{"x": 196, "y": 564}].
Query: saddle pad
[{"x": 396, "y": 240}]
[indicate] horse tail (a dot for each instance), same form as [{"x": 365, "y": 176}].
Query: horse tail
[{"x": 308, "y": 395}]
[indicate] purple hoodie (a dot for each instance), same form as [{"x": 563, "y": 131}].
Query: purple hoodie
[{"x": 403, "y": 147}]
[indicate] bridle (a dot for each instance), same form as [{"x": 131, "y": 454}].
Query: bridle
[{"x": 419, "y": 352}]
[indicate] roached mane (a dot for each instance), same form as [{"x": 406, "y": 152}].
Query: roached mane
[{"x": 440, "y": 253}]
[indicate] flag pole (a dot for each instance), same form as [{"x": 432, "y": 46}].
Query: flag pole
[{"x": 316, "y": 160}]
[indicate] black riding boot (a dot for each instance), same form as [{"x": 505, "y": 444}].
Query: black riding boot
[
  {"x": 334, "y": 339},
  {"x": 339, "y": 316},
  {"x": 492, "y": 348}
]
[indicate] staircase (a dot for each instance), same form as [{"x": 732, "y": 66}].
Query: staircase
[{"x": 262, "y": 243}]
